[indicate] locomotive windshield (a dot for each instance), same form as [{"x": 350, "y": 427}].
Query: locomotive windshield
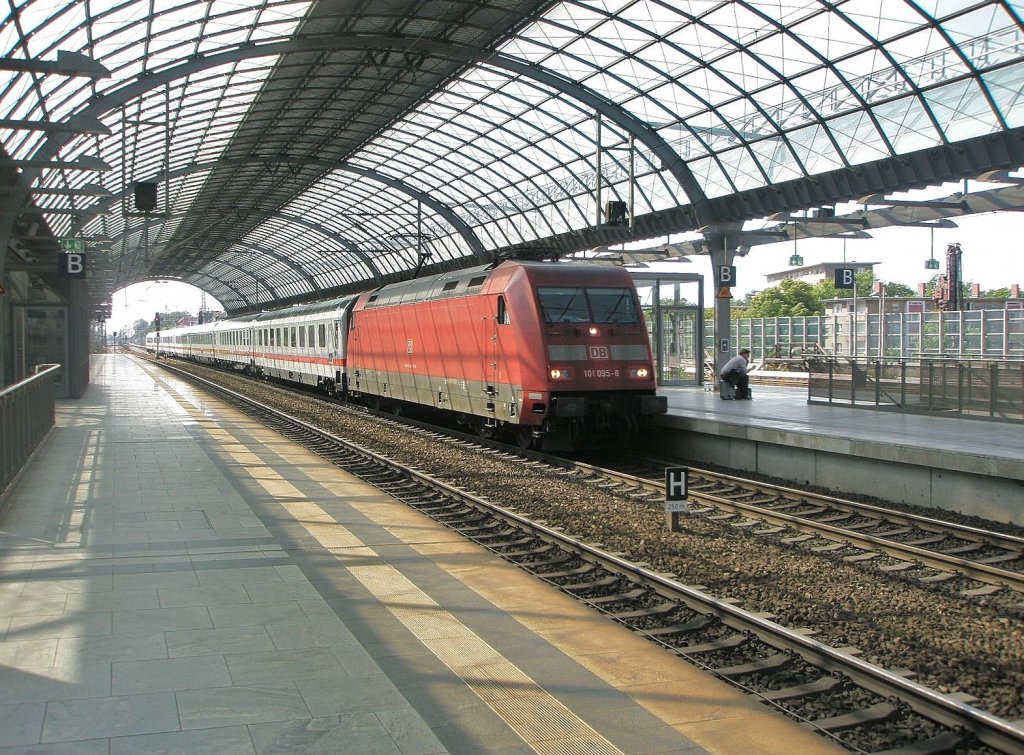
[{"x": 598, "y": 305}]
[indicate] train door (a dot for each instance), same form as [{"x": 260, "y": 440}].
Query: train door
[
  {"x": 491, "y": 351},
  {"x": 502, "y": 400},
  {"x": 336, "y": 339}
]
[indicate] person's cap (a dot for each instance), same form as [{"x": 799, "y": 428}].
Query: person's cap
[{"x": 744, "y": 351}]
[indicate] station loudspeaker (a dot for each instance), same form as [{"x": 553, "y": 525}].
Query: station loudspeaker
[
  {"x": 145, "y": 196},
  {"x": 614, "y": 213}
]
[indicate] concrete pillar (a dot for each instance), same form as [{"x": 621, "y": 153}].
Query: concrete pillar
[{"x": 723, "y": 244}]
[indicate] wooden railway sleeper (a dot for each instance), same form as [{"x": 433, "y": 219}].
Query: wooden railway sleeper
[
  {"x": 606, "y": 581},
  {"x": 730, "y": 642},
  {"x": 539, "y": 551},
  {"x": 771, "y": 663},
  {"x": 693, "y": 625},
  {"x": 889, "y": 534},
  {"x": 1000, "y": 559},
  {"x": 819, "y": 686},
  {"x": 558, "y": 559},
  {"x": 468, "y": 521},
  {"x": 875, "y": 714},
  {"x": 503, "y": 533},
  {"x": 440, "y": 505},
  {"x": 517, "y": 543},
  {"x": 426, "y": 499},
  {"x": 929, "y": 540},
  {"x": 947, "y": 741},
  {"x": 484, "y": 530},
  {"x": 586, "y": 568},
  {"x": 858, "y": 526},
  {"x": 967, "y": 548},
  {"x": 617, "y": 597},
  {"x": 658, "y": 610},
  {"x": 837, "y": 517}
]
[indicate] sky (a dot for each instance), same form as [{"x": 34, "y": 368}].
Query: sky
[{"x": 992, "y": 246}]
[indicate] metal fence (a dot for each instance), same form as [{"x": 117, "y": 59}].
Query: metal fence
[
  {"x": 983, "y": 334},
  {"x": 26, "y": 415},
  {"x": 978, "y": 388}
]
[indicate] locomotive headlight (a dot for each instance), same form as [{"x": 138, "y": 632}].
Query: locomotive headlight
[
  {"x": 594, "y": 331},
  {"x": 560, "y": 373},
  {"x": 639, "y": 373}
]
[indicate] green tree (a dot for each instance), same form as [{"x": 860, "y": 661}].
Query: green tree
[
  {"x": 898, "y": 289},
  {"x": 791, "y": 298},
  {"x": 997, "y": 293},
  {"x": 168, "y": 320},
  {"x": 140, "y": 328}
]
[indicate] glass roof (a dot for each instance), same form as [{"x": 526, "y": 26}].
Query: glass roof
[{"x": 304, "y": 149}]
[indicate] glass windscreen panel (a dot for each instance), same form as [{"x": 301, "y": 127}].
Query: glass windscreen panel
[{"x": 595, "y": 305}]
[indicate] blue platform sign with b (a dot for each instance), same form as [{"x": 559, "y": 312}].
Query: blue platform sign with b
[
  {"x": 727, "y": 275},
  {"x": 845, "y": 278}
]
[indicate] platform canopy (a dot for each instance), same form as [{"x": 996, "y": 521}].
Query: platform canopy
[{"x": 300, "y": 149}]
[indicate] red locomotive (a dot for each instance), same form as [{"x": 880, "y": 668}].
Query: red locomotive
[{"x": 547, "y": 350}]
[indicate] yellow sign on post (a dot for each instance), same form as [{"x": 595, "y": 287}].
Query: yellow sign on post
[{"x": 724, "y": 293}]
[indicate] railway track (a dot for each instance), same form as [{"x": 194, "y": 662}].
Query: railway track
[
  {"x": 864, "y": 707},
  {"x": 939, "y": 551}
]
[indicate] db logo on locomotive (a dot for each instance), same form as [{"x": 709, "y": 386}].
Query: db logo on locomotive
[{"x": 599, "y": 352}]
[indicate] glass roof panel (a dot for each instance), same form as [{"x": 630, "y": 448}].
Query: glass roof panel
[
  {"x": 1004, "y": 84},
  {"x": 962, "y": 110},
  {"x": 906, "y": 124}
]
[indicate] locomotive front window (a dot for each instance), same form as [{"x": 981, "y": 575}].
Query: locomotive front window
[
  {"x": 597, "y": 305},
  {"x": 612, "y": 305},
  {"x": 564, "y": 304}
]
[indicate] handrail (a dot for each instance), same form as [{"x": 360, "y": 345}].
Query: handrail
[
  {"x": 26, "y": 416},
  {"x": 967, "y": 387}
]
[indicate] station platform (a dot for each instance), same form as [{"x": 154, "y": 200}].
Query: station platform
[
  {"x": 177, "y": 578},
  {"x": 975, "y": 466}
]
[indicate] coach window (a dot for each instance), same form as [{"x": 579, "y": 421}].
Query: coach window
[
  {"x": 293, "y": 338},
  {"x": 322, "y": 333},
  {"x": 503, "y": 318},
  {"x": 302, "y": 337},
  {"x": 310, "y": 338}
]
